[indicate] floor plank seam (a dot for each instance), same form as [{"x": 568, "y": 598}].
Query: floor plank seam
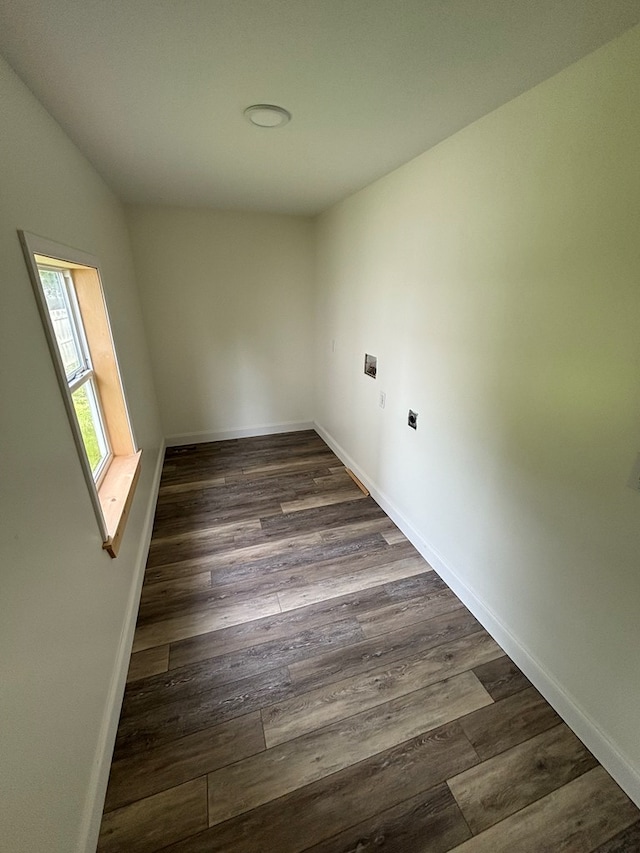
[{"x": 301, "y": 667}]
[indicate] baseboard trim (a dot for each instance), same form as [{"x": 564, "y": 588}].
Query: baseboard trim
[
  {"x": 242, "y": 432},
  {"x": 567, "y": 707},
  {"x": 97, "y": 788}
]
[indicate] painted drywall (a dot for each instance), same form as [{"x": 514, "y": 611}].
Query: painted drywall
[
  {"x": 497, "y": 280},
  {"x": 227, "y": 299},
  {"x": 66, "y": 609}
]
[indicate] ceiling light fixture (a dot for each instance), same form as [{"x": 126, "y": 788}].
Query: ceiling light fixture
[{"x": 267, "y": 115}]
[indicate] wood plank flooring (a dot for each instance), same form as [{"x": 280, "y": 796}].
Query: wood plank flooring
[{"x": 303, "y": 682}]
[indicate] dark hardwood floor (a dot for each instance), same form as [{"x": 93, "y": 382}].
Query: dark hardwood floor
[{"x": 301, "y": 680}]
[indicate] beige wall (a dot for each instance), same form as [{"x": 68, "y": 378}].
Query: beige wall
[
  {"x": 496, "y": 278},
  {"x": 65, "y": 606},
  {"x": 227, "y": 302}
]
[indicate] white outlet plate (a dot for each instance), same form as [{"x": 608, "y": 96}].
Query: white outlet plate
[{"x": 383, "y": 400}]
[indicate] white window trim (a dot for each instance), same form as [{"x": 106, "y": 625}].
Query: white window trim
[{"x": 125, "y": 469}]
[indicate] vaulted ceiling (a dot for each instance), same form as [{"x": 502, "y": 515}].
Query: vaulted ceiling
[{"x": 153, "y": 91}]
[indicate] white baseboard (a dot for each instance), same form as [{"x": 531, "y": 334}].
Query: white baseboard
[
  {"x": 244, "y": 432},
  {"x": 567, "y": 707},
  {"x": 97, "y": 788}
]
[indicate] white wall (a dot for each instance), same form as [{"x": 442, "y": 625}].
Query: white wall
[
  {"x": 65, "y": 606},
  {"x": 496, "y": 278},
  {"x": 227, "y": 300}
]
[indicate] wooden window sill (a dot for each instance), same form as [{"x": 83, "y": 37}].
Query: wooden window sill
[{"x": 116, "y": 494}]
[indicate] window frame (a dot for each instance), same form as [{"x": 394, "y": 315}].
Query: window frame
[
  {"x": 111, "y": 492},
  {"x": 84, "y": 373}
]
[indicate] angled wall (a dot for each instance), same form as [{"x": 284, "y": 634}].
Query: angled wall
[
  {"x": 496, "y": 278},
  {"x": 66, "y": 608}
]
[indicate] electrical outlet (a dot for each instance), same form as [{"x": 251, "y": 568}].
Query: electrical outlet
[
  {"x": 370, "y": 365},
  {"x": 383, "y": 400},
  {"x": 413, "y": 419}
]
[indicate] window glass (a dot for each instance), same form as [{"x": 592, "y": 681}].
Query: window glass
[
  {"x": 55, "y": 291},
  {"x": 88, "y": 413},
  {"x": 70, "y": 336}
]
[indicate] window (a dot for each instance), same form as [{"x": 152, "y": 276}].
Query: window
[
  {"x": 60, "y": 296},
  {"x": 74, "y": 315}
]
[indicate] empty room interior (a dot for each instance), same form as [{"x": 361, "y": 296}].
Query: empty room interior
[{"x": 372, "y": 275}]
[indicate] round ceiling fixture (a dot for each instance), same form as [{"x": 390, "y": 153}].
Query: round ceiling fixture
[{"x": 267, "y": 115}]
